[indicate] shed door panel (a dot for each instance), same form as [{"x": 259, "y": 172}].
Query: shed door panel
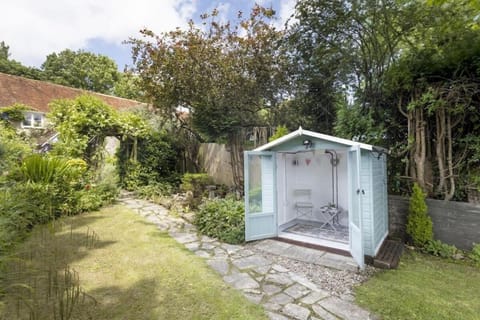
[
  {"x": 260, "y": 195},
  {"x": 355, "y": 207}
]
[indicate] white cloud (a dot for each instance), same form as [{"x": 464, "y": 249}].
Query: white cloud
[
  {"x": 34, "y": 29},
  {"x": 287, "y": 8}
]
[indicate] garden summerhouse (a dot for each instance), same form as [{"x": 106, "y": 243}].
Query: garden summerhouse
[{"x": 319, "y": 190}]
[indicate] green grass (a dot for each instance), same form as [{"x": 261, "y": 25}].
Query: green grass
[
  {"x": 423, "y": 287},
  {"x": 131, "y": 270}
]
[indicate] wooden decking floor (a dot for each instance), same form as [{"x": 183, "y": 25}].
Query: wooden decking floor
[{"x": 389, "y": 254}]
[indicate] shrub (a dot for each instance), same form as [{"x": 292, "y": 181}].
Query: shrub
[
  {"x": 419, "y": 224},
  {"x": 222, "y": 219},
  {"x": 155, "y": 190},
  {"x": 196, "y": 183},
  {"x": 440, "y": 249},
  {"x": 40, "y": 169},
  {"x": 16, "y": 216},
  {"x": 88, "y": 200},
  {"x": 475, "y": 254},
  {"x": 12, "y": 148},
  {"x": 157, "y": 157}
]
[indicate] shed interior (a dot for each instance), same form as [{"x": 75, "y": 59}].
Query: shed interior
[{"x": 312, "y": 196}]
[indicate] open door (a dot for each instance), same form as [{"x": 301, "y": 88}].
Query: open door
[
  {"x": 260, "y": 195},
  {"x": 355, "y": 206}
]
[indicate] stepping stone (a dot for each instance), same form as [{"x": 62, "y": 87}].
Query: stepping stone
[
  {"x": 207, "y": 246},
  {"x": 154, "y": 219},
  {"x": 219, "y": 253},
  {"x": 276, "y": 316},
  {"x": 221, "y": 266},
  {"x": 323, "y": 314},
  {"x": 207, "y": 239},
  {"x": 152, "y": 208},
  {"x": 303, "y": 281},
  {"x": 132, "y": 204},
  {"x": 263, "y": 270},
  {"x": 184, "y": 237},
  {"x": 255, "y": 298},
  {"x": 192, "y": 246},
  {"x": 250, "y": 262},
  {"x": 279, "y": 278},
  {"x": 296, "y": 311},
  {"x": 230, "y": 248},
  {"x": 272, "y": 306},
  {"x": 314, "y": 297},
  {"x": 271, "y": 246},
  {"x": 303, "y": 254},
  {"x": 189, "y": 227},
  {"x": 241, "y": 281},
  {"x": 296, "y": 291},
  {"x": 279, "y": 268},
  {"x": 252, "y": 291},
  {"x": 343, "y": 309},
  {"x": 162, "y": 225},
  {"x": 271, "y": 289},
  {"x": 244, "y": 253},
  {"x": 281, "y": 299},
  {"x": 203, "y": 254}
]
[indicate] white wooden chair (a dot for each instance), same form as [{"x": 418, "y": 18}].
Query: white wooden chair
[{"x": 303, "y": 203}]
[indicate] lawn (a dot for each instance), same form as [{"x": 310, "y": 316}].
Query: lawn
[
  {"x": 423, "y": 287},
  {"x": 126, "y": 269}
]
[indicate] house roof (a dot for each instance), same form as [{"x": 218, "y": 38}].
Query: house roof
[
  {"x": 311, "y": 134},
  {"x": 38, "y": 94}
]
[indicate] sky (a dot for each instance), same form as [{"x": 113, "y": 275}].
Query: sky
[{"x": 33, "y": 29}]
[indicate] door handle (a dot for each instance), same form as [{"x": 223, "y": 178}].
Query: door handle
[
  {"x": 363, "y": 191},
  {"x": 358, "y": 191}
]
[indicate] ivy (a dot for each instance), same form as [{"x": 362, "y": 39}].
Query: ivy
[
  {"x": 14, "y": 112},
  {"x": 84, "y": 122}
]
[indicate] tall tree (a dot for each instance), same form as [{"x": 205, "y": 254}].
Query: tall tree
[
  {"x": 224, "y": 73},
  {"x": 128, "y": 87},
  {"x": 343, "y": 48},
  {"x": 10, "y": 66},
  {"x": 81, "y": 69},
  {"x": 435, "y": 84}
]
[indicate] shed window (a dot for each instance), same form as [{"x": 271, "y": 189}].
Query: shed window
[{"x": 33, "y": 120}]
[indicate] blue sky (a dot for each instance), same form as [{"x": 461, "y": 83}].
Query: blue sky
[{"x": 33, "y": 29}]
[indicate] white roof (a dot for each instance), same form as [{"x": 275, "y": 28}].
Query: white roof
[{"x": 301, "y": 132}]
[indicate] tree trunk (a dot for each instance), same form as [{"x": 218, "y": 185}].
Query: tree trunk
[
  {"x": 449, "y": 195},
  {"x": 440, "y": 148},
  {"x": 420, "y": 147}
]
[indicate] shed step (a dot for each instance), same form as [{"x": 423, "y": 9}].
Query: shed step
[{"x": 389, "y": 254}]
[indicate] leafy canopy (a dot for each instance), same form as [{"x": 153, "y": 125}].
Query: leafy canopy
[
  {"x": 224, "y": 73},
  {"x": 81, "y": 69}
]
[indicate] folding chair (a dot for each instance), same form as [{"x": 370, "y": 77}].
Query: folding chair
[
  {"x": 303, "y": 207},
  {"x": 330, "y": 217}
]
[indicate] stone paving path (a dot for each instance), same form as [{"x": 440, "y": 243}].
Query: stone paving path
[{"x": 283, "y": 294}]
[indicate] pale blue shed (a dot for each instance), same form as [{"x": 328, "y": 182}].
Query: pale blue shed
[{"x": 319, "y": 190}]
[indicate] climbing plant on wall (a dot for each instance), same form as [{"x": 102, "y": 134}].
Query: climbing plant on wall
[{"x": 84, "y": 122}]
